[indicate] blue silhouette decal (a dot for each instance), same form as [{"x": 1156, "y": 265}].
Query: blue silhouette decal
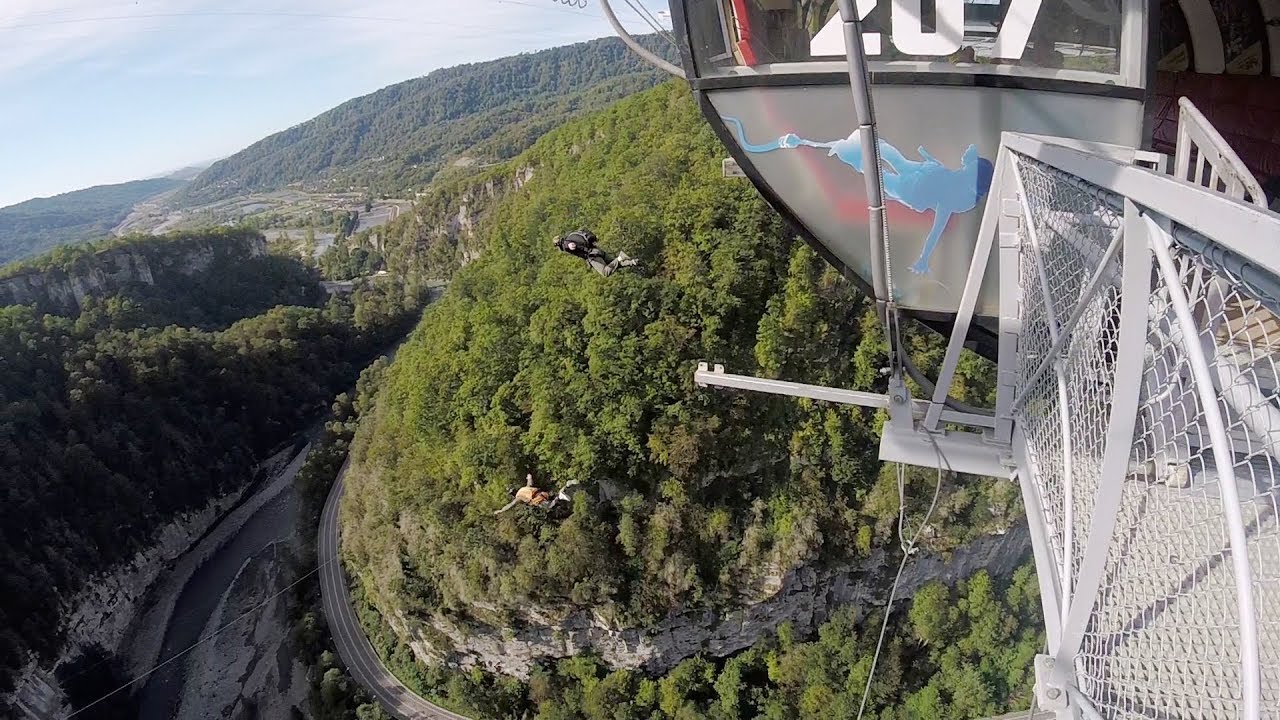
[{"x": 918, "y": 184}]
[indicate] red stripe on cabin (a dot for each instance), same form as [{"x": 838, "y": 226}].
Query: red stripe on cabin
[{"x": 743, "y": 22}]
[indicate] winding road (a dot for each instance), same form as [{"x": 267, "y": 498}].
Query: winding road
[{"x": 353, "y": 646}]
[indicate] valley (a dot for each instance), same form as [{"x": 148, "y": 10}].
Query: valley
[{"x": 210, "y": 381}]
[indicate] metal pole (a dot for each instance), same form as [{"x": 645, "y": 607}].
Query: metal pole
[
  {"x": 1223, "y": 458},
  {"x": 1241, "y": 393},
  {"x": 1051, "y": 602},
  {"x": 1084, "y": 704},
  {"x": 636, "y": 47},
  {"x": 1055, "y": 351},
  {"x": 864, "y": 112},
  {"x": 717, "y": 377},
  {"x": 968, "y": 300}
]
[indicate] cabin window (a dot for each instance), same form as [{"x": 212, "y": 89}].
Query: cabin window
[{"x": 1072, "y": 39}]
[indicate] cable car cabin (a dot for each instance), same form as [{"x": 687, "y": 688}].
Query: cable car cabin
[{"x": 948, "y": 77}]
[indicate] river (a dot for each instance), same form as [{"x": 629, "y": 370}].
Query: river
[{"x": 275, "y": 521}]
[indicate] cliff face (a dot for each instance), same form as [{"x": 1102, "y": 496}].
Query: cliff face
[
  {"x": 443, "y": 236},
  {"x": 100, "y": 614},
  {"x": 102, "y": 273},
  {"x": 806, "y": 598}
]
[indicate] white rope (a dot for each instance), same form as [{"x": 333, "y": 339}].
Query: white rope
[{"x": 906, "y": 554}]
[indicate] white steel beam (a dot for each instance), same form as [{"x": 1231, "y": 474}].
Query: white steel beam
[
  {"x": 1114, "y": 471},
  {"x": 1055, "y": 352},
  {"x": 1064, "y": 412},
  {"x": 968, "y": 300},
  {"x": 962, "y": 452},
  {"x": 717, "y": 377},
  {"x": 1010, "y": 298},
  {"x": 1224, "y": 461},
  {"x": 1243, "y": 228},
  {"x": 1041, "y": 544}
]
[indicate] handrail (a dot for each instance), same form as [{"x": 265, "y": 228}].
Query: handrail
[
  {"x": 1230, "y": 223},
  {"x": 1214, "y": 158},
  {"x": 1251, "y": 679}
]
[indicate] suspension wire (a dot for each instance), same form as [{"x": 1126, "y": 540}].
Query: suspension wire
[
  {"x": 543, "y": 6},
  {"x": 644, "y": 10},
  {"x": 907, "y": 549},
  {"x": 638, "y": 7},
  {"x": 205, "y": 639},
  {"x": 234, "y": 13}
]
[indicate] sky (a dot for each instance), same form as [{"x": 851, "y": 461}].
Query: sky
[{"x": 105, "y": 91}]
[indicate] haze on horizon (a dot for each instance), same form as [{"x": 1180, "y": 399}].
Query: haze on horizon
[{"x": 106, "y": 92}]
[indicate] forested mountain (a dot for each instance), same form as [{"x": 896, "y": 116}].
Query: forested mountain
[
  {"x": 115, "y": 418},
  {"x": 32, "y": 227},
  {"x": 398, "y": 137},
  {"x": 690, "y": 498}
]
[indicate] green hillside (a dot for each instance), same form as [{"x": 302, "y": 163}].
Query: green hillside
[
  {"x": 32, "y": 227},
  {"x": 400, "y": 136},
  {"x": 532, "y": 364}
]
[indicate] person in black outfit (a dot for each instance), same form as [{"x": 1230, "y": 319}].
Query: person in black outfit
[{"x": 582, "y": 244}]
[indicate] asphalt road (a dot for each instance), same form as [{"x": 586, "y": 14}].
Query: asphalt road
[{"x": 353, "y": 647}]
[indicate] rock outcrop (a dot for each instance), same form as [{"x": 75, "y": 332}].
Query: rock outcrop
[
  {"x": 59, "y": 290},
  {"x": 807, "y": 597},
  {"x": 443, "y": 237}
]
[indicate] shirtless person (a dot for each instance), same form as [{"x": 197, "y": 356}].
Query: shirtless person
[{"x": 530, "y": 495}]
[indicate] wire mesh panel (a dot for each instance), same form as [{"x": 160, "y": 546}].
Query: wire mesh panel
[
  {"x": 1163, "y": 638},
  {"x": 1064, "y": 414}
]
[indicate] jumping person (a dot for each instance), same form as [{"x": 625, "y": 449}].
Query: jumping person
[
  {"x": 533, "y": 497},
  {"x": 582, "y": 244}
]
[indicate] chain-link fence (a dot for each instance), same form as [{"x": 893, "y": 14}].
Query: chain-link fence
[
  {"x": 1163, "y": 639},
  {"x": 1064, "y": 244}
]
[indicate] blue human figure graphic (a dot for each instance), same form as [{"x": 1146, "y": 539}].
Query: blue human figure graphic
[{"x": 917, "y": 184}]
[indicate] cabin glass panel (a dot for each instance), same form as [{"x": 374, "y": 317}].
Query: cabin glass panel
[
  {"x": 948, "y": 77},
  {"x": 1066, "y": 39}
]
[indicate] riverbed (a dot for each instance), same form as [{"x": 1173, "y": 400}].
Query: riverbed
[{"x": 271, "y": 519}]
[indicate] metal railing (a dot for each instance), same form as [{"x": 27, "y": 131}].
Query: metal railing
[
  {"x": 1203, "y": 157},
  {"x": 1145, "y": 400}
]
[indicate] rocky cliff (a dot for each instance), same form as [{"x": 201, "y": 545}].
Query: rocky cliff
[
  {"x": 806, "y": 598},
  {"x": 62, "y": 287},
  {"x": 442, "y": 235}
]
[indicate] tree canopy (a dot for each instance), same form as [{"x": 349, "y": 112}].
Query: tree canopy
[
  {"x": 35, "y": 226},
  {"x": 114, "y": 421}
]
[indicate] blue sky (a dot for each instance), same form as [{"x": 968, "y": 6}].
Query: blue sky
[{"x": 101, "y": 91}]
